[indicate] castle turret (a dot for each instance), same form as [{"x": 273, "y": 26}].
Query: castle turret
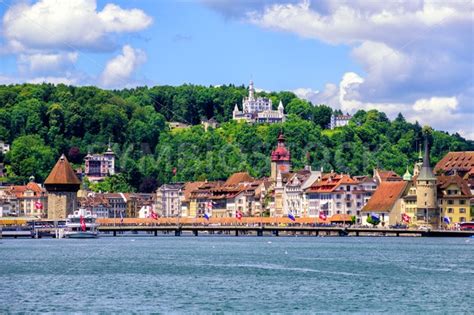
[
  {"x": 62, "y": 185},
  {"x": 251, "y": 91},
  {"x": 426, "y": 197}
]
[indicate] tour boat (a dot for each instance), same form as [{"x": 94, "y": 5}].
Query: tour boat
[{"x": 81, "y": 224}]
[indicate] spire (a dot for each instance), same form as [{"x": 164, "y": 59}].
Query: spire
[
  {"x": 280, "y": 106},
  {"x": 426, "y": 172},
  {"x": 407, "y": 175},
  {"x": 420, "y": 155},
  {"x": 236, "y": 108},
  {"x": 426, "y": 158}
]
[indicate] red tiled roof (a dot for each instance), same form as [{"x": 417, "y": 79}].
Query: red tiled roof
[
  {"x": 62, "y": 174},
  {"x": 18, "y": 191},
  {"x": 443, "y": 182},
  {"x": 385, "y": 196},
  {"x": 460, "y": 161},
  {"x": 330, "y": 182},
  {"x": 238, "y": 178},
  {"x": 388, "y": 176}
]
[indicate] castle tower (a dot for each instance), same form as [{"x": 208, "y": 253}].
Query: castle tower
[
  {"x": 280, "y": 159},
  {"x": 251, "y": 91},
  {"x": 62, "y": 185},
  {"x": 109, "y": 156},
  {"x": 426, "y": 199}
]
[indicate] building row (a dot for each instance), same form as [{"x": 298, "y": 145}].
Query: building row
[{"x": 442, "y": 196}]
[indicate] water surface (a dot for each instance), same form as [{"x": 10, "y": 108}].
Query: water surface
[{"x": 237, "y": 274}]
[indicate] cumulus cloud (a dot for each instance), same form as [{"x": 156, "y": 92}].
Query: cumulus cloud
[
  {"x": 414, "y": 54},
  {"x": 48, "y": 63},
  {"x": 57, "y": 24},
  {"x": 47, "y": 37},
  {"x": 120, "y": 68}
]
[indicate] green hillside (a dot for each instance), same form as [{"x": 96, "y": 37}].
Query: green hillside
[{"x": 43, "y": 121}]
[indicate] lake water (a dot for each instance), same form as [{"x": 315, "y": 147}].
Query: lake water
[{"x": 238, "y": 274}]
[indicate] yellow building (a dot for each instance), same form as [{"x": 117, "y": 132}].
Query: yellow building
[{"x": 454, "y": 198}]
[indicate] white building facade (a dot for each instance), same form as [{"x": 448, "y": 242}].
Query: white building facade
[{"x": 258, "y": 109}]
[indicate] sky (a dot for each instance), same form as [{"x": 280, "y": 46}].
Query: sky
[{"x": 415, "y": 57}]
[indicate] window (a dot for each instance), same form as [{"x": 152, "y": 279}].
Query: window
[
  {"x": 462, "y": 202},
  {"x": 450, "y": 202},
  {"x": 450, "y": 210},
  {"x": 338, "y": 196},
  {"x": 348, "y": 204},
  {"x": 462, "y": 219},
  {"x": 462, "y": 210},
  {"x": 338, "y": 204}
]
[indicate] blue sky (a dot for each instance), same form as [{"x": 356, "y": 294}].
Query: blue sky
[{"x": 413, "y": 57}]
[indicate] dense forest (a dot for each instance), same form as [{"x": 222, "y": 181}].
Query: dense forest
[{"x": 42, "y": 121}]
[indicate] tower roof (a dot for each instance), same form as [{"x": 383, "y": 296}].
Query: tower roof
[
  {"x": 62, "y": 174},
  {"x": 407, "y": 176},
  {"x": 426, "y": 173},
  {"x": 281, "y": 153}
]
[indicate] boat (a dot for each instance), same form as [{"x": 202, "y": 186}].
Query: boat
[{"x": 81, "y": 224}]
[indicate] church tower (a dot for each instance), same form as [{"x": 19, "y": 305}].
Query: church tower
[
  {"x": 426, "y": 199},
  {"x": 280, "y": 159},
  {"x": 62, "y": 185}
]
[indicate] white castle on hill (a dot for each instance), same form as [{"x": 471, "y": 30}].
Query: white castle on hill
[{"x": 258, "y": 109}]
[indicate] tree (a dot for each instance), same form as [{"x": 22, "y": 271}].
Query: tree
[
  {"x": 29, "y": 156},
  {"x": 114, "y": 183}
]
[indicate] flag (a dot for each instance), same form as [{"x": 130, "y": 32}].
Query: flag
[
  {"x": 447, "y": 220},
  {"x": 238, "y": 215},
  {"x": 38, "y": 205},
  {"x": 291, "y": 216},
  {"x": 322, "y": 216},
  {"x": 210, "y": 205},
  {"x": 174, "y": 171},
  {"x": 83, "y": 223},
  {"x": 375, "y": 217},
  {"x": 405, "y": 218},
  {"x": 121, "y": 217},
  {"x": 153, "y": 215},
  {"x": 207, "y": 216}
]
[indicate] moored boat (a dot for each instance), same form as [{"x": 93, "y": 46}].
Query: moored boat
[{"x": 81, "y": 224}]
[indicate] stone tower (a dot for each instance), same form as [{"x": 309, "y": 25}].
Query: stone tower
[
  {"x": 280, "y": 159},
  {"x": 62, "y": 185},
  {"x": 426, "y": 199}
]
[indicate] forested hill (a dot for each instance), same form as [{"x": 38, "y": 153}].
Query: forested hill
[{"x": 43, "y": 121}]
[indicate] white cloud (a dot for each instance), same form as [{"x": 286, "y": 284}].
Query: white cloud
[
  {"x": 53, "y": 80},
  {"x": 120, "y": 68},
  {"x": 46, "y": 63},
  {"x": 116, "y": 19},
  {"x": 440, "y": 112},
  {"x": 68, "y": 25},
  {"x": 414, "y": 54}
]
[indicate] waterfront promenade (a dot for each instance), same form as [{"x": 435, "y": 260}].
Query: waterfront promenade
[{"x": 242, "y": 230}]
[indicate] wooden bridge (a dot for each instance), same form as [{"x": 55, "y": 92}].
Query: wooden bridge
[{"x": 237, "y": 230}]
